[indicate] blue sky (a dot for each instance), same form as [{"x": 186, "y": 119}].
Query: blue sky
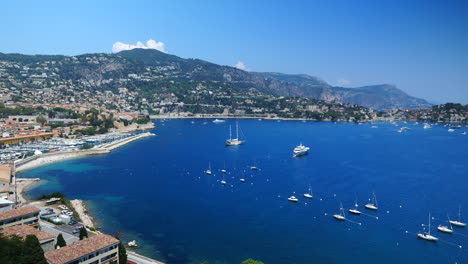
[{"x": 420, "y": 46}]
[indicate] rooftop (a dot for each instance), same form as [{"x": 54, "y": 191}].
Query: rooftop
[
  {"x": 18, "y": 212},
  {"x": 24, "y": 230},
  {"x": 5, "y": 173},
  {"x": 80, "y": 248}
]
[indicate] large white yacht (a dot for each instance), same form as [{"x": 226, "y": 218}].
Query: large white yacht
[
  {"x": 234, "y": 141},
  {"x": 300, "y": 150}
]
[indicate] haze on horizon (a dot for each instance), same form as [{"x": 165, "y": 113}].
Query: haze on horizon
[{"x": 421, "y": 47}]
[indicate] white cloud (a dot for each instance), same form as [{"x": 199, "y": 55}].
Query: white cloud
[
  {"x": 150, "y": 44},
  {"x": 342, "y": 82},
  {"x": 241, "y": 66}
]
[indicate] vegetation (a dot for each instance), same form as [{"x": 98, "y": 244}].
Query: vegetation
[
  {"x": 15, "y": 250},
  {"x": 122, "y": 252},
  {"x": 251, "y": 261},
  {"x": 51, "y": 195},
  {"x": 83, "y": 233},
  {"x": 60, "y": 241}
]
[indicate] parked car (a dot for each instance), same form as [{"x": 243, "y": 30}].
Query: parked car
[
  {"x": 76, "y": 230},
  {"x": 73, "y": 222}
]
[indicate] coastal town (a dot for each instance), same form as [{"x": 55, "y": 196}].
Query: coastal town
[
  {"x": 29, "y": 141},
  {"x": 45, "y": 118}
]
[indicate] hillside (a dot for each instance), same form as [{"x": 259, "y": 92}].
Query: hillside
[
  {"x": 298, "y": 85},
  {"x": 148, "y": 72}
]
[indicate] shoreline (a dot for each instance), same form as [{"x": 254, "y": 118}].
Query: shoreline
[
  {"x": 214, "y": 116},
  {"x": 44, "y": 159},
  {"x": 82, "y": 210},
  {"x": 48, "y": 158}
]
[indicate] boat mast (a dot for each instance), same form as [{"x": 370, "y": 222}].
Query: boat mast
[
  {"x": 429, "y": 232},
  {"x": 230, "y": 133},
  {"x": 375, "y": 200},
  {"x": 459, "y": 213},
  {"x": 237, "y": 129}
]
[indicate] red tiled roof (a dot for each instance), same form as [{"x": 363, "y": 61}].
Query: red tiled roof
[
  {"x": 18, "y": 212},
  {"x": 80, "y": 249},
  {"x": 24, "y": 230}
]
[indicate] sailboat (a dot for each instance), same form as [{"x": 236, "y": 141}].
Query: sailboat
[
  {"x": 428, "y": 236},
  {"x": 234, "y": 141},
  {"x": 223, "y": 181},
  {"x": 340, "y": 216},
  {"x": 355, "y": 210},
  {"x": 309, "y": 194},
  {"x": 293, "y": 199},
  {"x": 223, "y": 170},
  {"x": 458, "y": 223},
  {"x": 373, "y": 204},
  {"x": 208, "y": 171},
  {"x": 446, "y": 229}
]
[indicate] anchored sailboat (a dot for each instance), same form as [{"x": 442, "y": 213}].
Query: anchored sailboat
[
  {"x": 446, "y": 229},
  {"x": 309, "y": 193},
  {"x": 355, "y": 210},
  {"x": 373, "y": 204},
  {"x": 341, "y": 215},
  {"x": 428, "y": 236},
  {"x": 458, "y": 223},
  {"x": 208, "y": 171},
  {"x": 234, "y": 141}
]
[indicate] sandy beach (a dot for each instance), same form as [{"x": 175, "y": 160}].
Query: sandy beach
[{"x": 21, "y": 184}]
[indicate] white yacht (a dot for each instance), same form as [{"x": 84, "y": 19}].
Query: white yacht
[
  {"x": 223, "y": 181},
  {"x": 132, "y": 244},
  {"x": 234, "y": 141},
  {"x": 293, "y": 199},
  {"x": 355, "y": 210},
  {"x": 242, "y": 180},
  {"x": 458, "y": 223},
  {"x": 341, "y": 215},
  {"x": 373, "y": 204},
  {"x": 427, "y": 126},
  {"x": 223, "y": 170},
  {"x": 463, "y": 133},
  {"x": 309, "y": 193},
  {"x": 253, "y": 167},
  {"x": 300, "y": 150},
  {"x": 451, "y": 130},
  {"x": 218, "y": 121},
  {"x": 208, "y": 171},
  {"x": 427, "y": 235}
]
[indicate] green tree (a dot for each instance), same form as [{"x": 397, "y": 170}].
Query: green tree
[
  {"x": 32, "y": 251},
  {"x": 122, "y": 252},
  {"x": 84, "y": 233},
  {"x": 60, "y": 241},
  {"x": 251, "y": 261},
  {"x": 41, "y": 120}
]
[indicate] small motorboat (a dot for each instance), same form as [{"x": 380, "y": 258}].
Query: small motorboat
[{"x": 132, "y": 244}]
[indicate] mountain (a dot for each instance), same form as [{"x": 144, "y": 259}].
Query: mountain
[
  {"x": 148, "y": 72},
  {"x": 381, "y": 96}
]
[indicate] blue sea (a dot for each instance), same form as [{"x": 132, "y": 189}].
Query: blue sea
[{"x": 155, "y": 191}]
